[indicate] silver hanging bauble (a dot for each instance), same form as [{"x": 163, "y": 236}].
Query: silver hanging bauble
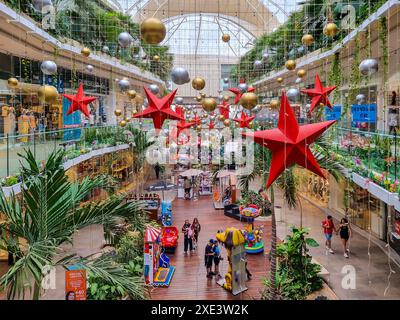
[
  {"x": 89, "y": 68},
  {"x": 154, "y": 89},
  {"x": 299, "y": 80},
  {"x": 105, "y": 49},
  {"x": 40, "y": 4},
  {"x": 179, "y": 100},
  {"x": 124, "y": 84},
  {"x": 180, "y": 76},
  {"x": 258, "y": 64},
  {"x": 243, "y": 87},
  {"x": 226, "y": 80},
  {"x": 360, "y": 98},
  {"x": 293, "y": 94},
  {"x": 368, "y": 67},
  {"x": 145, "y": 103},
  {"x": 125, "y": 39},
  {"x": 48, "y": 67}
]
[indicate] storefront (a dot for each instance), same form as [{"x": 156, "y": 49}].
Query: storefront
[
  {"x": 313, "y": 187},
  {"x": 394, "y": 229},
  {"x": 363, "y": 209},
  {"x": 23, "y": 113}
]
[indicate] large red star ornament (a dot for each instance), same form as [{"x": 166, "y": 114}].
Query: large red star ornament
[
  {"x": 159, "y": 109},
  {"x": 224, "y": 109},
  {"x": 79, "y": 102},
  {"x": 289, "y": 142},
  {"x": 239, "y": 93},
  {"x": 319, "y": 95},
  {"x": 244, "y": 120}
]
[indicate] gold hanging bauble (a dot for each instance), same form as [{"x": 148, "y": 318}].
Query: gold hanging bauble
[
  {"x": 198, "y": 83},
  {"x": 131, "y": 94},
  {"x": 279, "y": 80},
  {"x": 153, "y": 31},
  {"x": 226, "y": 37},
  {"x": 198, "y": 128},
  {"x": 307, "y": 40},
  {"x": 205, "y": 116},
  {"x": 86, "y": 52},
  {"x": 221, "y": 117},
  {"x": 248, "y": 100},
  {"x": 227, "y": 122},
  {"x": 274, "y": 104},
  {"x": 134, "y": 113},
  {"x": 139, "y": 100},
  {"x": 301, "y": 73},
  {"x": 118, "y": 112},
  {"x": 209, "y": 104},
  {"x": 47, "y": 94},
  {"x": 203, "y": 95},
  {"x": 290, "y": 65},
  {"x": 156, "y": 58},
  {"x": 198, "y": 98},
  {"x": 331, "y": 29},
  {"x": 251, "y": 124},
  {"x": 226, "y": 98},
  {"x": 123, "y": 123},
  {"x": 12, "y": 82}
]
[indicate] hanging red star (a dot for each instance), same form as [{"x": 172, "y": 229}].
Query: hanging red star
[
  {"x": 224, "y": 109},
  {"x": 212, "y": 125},
  {"x": 244, "y": 120},
  {"x": 182, "y": 125},
  {"x": 159, "y": 109},
  {"x": 319, "y": 95},
  {"x": 239, "y": 93},
  {"x": 79, "y": 102},
  {"x": 289, "y": 142}
]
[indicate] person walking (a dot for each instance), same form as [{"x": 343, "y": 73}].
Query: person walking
[
  {"x": 187, "y": 240},
  {"x": 328, "y": 226},
  {"x": 217, "y": 258},
  {"x": 345, "y": 233},
  {"x": 187, "y": 186},
  {"x": 196, "y": 230},
  {"x": 208, "y": 257}
]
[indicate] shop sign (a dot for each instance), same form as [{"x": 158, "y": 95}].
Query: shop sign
[
  {"x": 75, "y": 284},
  {"x": 363, "y": 113},
  {"x": 333, "y": 114}
]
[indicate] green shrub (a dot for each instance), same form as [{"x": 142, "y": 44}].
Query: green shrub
[{"x": 297, "y": 276}]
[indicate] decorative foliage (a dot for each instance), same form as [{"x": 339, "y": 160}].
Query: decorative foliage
[{"x": 297, "y": 275}]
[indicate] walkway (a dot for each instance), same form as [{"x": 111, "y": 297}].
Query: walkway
[
  {"x": 190, "y": 281},
  {"x": 371, "y": 274}
]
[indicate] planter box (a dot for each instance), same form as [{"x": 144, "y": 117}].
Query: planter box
[
  {"x": 360, "y": 180},
  {"x": 395, "y": 201},
  {"x": 16, "y": 188},
  {"x": 380, "y": 193}
]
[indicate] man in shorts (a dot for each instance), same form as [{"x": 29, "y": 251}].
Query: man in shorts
[{"x": 328, "y": 227}]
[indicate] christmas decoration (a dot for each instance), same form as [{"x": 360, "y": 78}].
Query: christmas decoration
[
  {"x": 238, "y": 92},
  {"x": 79, "y": 102},
  {"x": 319, "y": 94},
  {"x": 159, "y": 109},
  {"x": 153, "y": 31},
  {"x": 290, "y": 142},
  {"x": 244, "y": 120},
  {"x": 224, "y": 109}
]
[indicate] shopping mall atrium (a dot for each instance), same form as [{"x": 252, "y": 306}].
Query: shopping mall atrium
[{"x": 168, "y": 150}]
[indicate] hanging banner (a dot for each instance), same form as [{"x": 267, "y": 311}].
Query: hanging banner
[
  {"x": 363, "y": 114},
  {"x": 72, "y": 121},
  {"x": 75, "y": 284},
  {"x": 333, "y": 114}
]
